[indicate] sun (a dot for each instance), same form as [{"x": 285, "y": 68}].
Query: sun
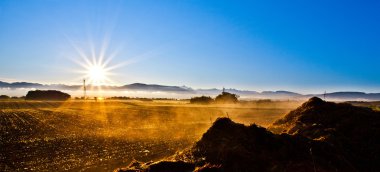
[
  {"x": 96, "y": 63},
  {"x": 96, "y": 70},
  {"x": 97, "y": 74}
]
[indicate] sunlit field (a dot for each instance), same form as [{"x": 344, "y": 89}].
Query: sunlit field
[{"x": 104, "y": 135}]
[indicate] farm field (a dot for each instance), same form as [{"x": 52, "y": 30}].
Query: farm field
[{"x": 104, "y": 135}]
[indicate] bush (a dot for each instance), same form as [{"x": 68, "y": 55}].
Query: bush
[
  {"x": 46, "y": 95},
  {"x": 4, "y": 97},
  {"x": 263, "y": 101},
  {"x": 226, "y": 97},
  {"x": 201, "y": 100}
]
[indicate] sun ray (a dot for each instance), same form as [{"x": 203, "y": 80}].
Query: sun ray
[
  {"x": 93, "y": 53},
  {"x": 103, "y": 50},
  {"x": 110, "y": 57}
]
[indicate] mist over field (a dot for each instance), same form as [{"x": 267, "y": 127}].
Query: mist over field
[{"x": 97, "y": 136}]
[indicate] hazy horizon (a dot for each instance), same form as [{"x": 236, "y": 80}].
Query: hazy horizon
[{"x": 141, "y": 90}]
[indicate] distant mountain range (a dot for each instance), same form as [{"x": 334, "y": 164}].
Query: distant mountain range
[{"x": 244, "y": 94}]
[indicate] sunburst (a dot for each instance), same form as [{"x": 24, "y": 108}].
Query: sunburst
[
  {"x": 96, "y": 68},
  {"x": 96, "y": 63},
  {"x": 98, "y": 74}
]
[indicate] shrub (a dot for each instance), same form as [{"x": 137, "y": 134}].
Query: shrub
[
  {"x": 201, "y": 100},
  {"x": 226, "y": 97},
  {"x": 46, "y": 95},
  {"x": 4, "y": 97}
]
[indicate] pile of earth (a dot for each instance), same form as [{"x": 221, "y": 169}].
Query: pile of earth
[
  {"x": 317, "y": 136},
  {"x": 353, "y": 131}
]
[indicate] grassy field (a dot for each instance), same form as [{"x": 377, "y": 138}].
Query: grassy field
[{"x": 104, "y": 135}]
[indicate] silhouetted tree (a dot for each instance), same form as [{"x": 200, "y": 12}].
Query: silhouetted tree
[
  {"x": 4, "y": 97},
  {"x": 226, "y": 97},
  {"x": 46, "y": 95},
  {"x": 201, "y": 100},
  {"x": 263, "y": 101}
]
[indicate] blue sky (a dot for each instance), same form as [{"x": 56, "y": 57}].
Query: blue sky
[{"x": 258, "y": 45}]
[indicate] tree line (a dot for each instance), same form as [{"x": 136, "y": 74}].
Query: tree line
[{"x": 223, "y": 98}]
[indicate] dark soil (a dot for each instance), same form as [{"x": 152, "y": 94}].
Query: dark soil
[{"x": 317, "y": 136}]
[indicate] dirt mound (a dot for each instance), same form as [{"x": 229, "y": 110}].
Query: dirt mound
[
  {"x": 317, "y": 136},
  {"x": 229, "y": 146},
  {"x": 252, "y": 148},
  {"x": 353, "y": 131}
]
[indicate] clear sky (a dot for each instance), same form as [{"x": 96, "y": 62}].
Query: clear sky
[{"x": 300, "y": 46}]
